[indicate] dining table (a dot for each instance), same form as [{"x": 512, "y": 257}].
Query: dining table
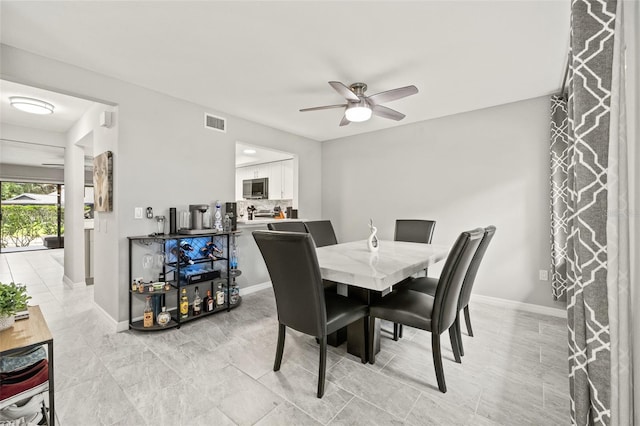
[{"x": 367, "y": 275}]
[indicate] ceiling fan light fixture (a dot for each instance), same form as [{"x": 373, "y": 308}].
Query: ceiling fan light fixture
[
  {"x": 358, "y": 112},
  {"x": 33, "y": 106}
]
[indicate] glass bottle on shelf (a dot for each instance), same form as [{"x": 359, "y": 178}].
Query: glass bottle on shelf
[
  {"x": 197, "y": 303},
  {"x": 184, "y": 305},
  {"x": 148, "y": 314},
  {"x": 220, "y": 295},
  {"x": 227, "y": 223},
  {"x": 217, "y": 222},
  {"x": 235, "y": 293},
  {"x": 164, "y": 317},
  {"x": 209, "y": 303}
]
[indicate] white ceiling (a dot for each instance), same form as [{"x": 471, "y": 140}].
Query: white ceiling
[
  {"x": 67, "y": 109},
  {"x": 265, "y": 60},
  {"x": 261, "y": 155}
]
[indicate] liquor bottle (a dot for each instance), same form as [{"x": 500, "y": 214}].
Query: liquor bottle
[
  {"x": 148, "y": 314},
  {"x": 219, "y": 296},
  {"x": 184, "y": 305},
  {"x": 197, "y": 303},
  {"x": 235, "y": 293},
  {"x": 181, "y": 256},
  {"x": 209, "y": 304},
  {"x": 164, "y": 317},
  {"x": 217, "y": 222}
]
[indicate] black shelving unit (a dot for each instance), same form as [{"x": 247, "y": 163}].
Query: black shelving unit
[{"x": 199, "y": 272}]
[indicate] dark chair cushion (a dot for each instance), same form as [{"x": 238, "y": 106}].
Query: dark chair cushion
[
  {"x": 406, "y": 307},
  {"x": 342, "y": 311}
]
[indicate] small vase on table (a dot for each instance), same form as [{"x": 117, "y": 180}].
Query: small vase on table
[{"x": 372, "y": 241}]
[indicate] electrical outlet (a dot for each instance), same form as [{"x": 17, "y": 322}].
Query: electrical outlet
[
  {"x": 543, "y": 275},
  {"x": 137, "y": 213}
]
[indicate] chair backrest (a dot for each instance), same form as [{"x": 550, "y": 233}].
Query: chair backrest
[
  {"x": 297, "y": 283},
  {"x": 414, "y": 230},
  {"x": 467, "y": 284},
  {"x": 287, "y": 226},
  {"x": 445, "y": 305},
  {"x": 322, "y": 232}
]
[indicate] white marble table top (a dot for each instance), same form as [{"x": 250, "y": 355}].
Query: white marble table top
[{"x": 353, "y": 264}]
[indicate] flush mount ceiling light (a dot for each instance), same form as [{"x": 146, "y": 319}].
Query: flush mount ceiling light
[
  {"x": 249, "y": 151},
  {"x": 358, "y": 112},
  {"x": 34, "y": 106}
]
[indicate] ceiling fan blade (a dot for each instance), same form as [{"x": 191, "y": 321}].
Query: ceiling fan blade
[
  {"x": 344, "y": 121},
  {"x": 383, "y": 111},
  {"x": 344, "y": 91},
  {"x": 323, "y": 107},
  {"x": 392, "y": 95}
]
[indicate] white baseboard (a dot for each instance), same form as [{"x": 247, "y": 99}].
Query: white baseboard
[
  {"x": 527, "y": 307},
  {"x": 116, "y": 325},
  {"x": 253, "y": 288},
  {"x": 69, "y": 283}
]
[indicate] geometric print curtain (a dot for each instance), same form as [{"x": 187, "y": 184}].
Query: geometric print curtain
[
  {"x": 589, "y": 107},
  {"x": 559, "y": 150}
]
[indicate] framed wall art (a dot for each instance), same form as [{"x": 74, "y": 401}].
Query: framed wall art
[{"x": 103, "y": 182}]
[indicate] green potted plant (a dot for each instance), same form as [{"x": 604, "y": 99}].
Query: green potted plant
[{"x": 13, "y": 298}]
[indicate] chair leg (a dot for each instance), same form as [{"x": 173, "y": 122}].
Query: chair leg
[
  {"x": 282, "y": 332},
  {"x": 371, "y": 350},
  {"x": 323, "y": 365},
  {"x": 467, "y": 319},
  {"x": 437, "y": 362},
  {"x": 396, "y": 328},
  {"x": 453, "y": 337},
  {"x": 456, "y": 324},
  {"x": 364, "y": 353},
  {"x": 400, "y": 332}
]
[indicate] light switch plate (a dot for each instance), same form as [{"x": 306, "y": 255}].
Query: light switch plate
[
  {"x": 544, "y": 275},
  {"x": 137, "y": 213}
]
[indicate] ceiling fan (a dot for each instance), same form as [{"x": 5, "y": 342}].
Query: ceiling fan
[{"x": 360, "y": 107}]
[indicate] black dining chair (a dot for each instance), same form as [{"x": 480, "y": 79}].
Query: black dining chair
[
  {"x": 429, "y": 285},
  {"x": 412, "y": 231},
  {"x": 301, "y": 301},
  {"x": 437, "y": 313},
  {"x": 322, "y": 232},
  {"x": 287, "y": 227}
]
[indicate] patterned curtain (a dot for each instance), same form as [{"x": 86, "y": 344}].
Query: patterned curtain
[
  {"x": 559, "y": 189},
  {"x": 587, "y": 261}
]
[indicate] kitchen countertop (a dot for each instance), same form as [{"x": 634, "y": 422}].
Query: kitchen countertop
[{"x": 264, "y": 221}]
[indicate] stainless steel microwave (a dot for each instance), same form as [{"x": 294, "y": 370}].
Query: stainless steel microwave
[{"x": 255, "y": 189}]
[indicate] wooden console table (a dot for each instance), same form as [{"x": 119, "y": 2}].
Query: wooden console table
[{"x": 28, "y": 334}]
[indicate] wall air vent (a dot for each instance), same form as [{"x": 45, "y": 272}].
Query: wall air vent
[{"x": 215, "y": 123}]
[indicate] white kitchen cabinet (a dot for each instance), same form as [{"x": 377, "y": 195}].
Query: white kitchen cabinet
[
  {"x": 287, "y": 179},
  {"x": 275, "y": 180}
]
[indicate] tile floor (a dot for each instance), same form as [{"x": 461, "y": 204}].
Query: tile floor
[{"x": 218, "y": 370}]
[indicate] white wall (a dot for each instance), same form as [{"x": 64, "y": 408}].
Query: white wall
[
  {"x": 164, "y": 158},
  {"x": 29, "y": 134},
  {"x": 475, "y": 169}
]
